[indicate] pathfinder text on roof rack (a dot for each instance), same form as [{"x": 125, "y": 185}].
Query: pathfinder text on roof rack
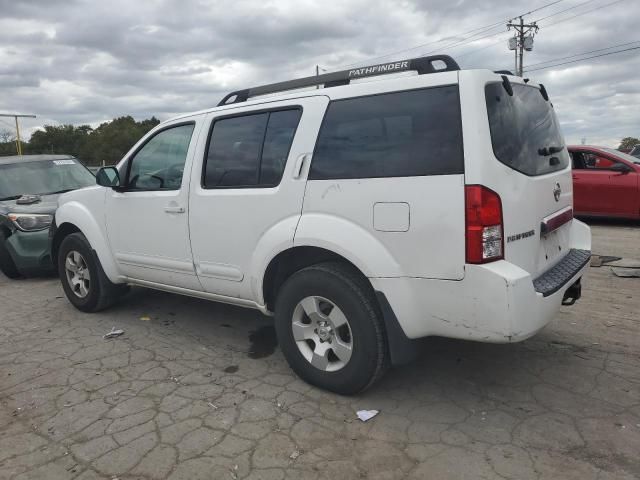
[
  {"x": 422, "y": 65},
  {"x": 377, "y": 69}
]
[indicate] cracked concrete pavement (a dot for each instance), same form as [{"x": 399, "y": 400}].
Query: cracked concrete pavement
[{"x": 178, "y": 396}]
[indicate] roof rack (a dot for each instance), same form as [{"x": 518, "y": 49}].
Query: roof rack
[{"x": 422, "y": 65}]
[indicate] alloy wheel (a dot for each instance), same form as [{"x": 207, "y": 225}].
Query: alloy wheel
[
  {"x": 322, "y": 333},
  {"x": 77, "y": 273}
]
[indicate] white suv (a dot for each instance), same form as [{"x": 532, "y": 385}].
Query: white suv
[{"x": 363, "y": 215}]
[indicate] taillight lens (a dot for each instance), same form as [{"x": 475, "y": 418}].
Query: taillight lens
[{"x": 483, "y": 225}]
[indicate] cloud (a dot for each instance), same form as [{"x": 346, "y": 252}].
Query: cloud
[{"x": 85, "y": 62}]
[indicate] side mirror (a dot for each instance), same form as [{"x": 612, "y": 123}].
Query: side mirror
[
  {"x": 620, "y": 167},
  {"x": 108, "y": 177}
]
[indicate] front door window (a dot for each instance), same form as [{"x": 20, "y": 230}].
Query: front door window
[{"x": 159, "y": 164}]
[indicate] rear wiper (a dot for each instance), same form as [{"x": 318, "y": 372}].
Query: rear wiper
[
  {"x": 14, "y": 197},
  {"x": 546, "y": 151}
]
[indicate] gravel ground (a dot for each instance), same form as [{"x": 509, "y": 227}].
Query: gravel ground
[{"x": 196, "y": 390}]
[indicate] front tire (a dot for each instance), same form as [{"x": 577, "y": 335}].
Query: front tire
[
  {"x": 330, "y": 328},
  {"x": 83, "y": 280}
]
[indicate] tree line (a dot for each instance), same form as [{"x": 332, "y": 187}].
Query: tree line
[
  {"x": 628, "y": 143},
  {"x": 110, "y": 141},
  {"x": 93, "y": 146}
]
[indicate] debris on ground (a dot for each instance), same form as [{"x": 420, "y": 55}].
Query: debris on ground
[
  {"x": 626, "y": 272},
  {"x": 233, "y": 471},
  {"x": 365, "y": 415},
  {"x": 599, "y": 260},
  {"x": 294, "y": 455},
  {"x": 113, "y": 333},
  {"x": 625, "y": 263},
  {"x": 145, "y": 318},
  {"x": 212, "y": 405}
]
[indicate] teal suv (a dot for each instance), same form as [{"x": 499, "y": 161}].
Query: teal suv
[{"x": 29, "y": 189}]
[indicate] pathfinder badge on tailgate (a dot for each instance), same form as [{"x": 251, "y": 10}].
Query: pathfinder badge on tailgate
[{"x": 520, "y": 236}]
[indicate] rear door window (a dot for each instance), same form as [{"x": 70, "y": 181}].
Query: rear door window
[
  {"x": 400, "y": 134},
  {"x": 250, "y": 150},
  {"x": 522, "y": 127}
]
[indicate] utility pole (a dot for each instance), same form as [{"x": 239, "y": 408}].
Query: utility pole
[
  {"x": 16, "y": 116},
  {"x": 521, "y": 41},
  {"x": 317, "y": 75}
]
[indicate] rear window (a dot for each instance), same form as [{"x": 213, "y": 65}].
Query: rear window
[
  {"x": 522, "y": 126},
  {"x": 403, "y": 134},
  {"x": 250, "y": 150}
]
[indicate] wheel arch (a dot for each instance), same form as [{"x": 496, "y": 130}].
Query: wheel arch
[
  {"x": 74, "y": 217},
  {"x": 402, "y": 349},
  {"x": 289, "y": 261}
]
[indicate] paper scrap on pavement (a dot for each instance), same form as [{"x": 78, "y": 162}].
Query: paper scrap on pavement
[
  {"x": 365, "y": 415},
  {"x": 626, "y": 272},
  {"x": 625, "y": 263},
  {"x": 113, "y": 333}
]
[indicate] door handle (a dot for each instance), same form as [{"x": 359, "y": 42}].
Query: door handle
[
  {"x": 174, "y": 209},
  {"x": 297, "y": 168}
]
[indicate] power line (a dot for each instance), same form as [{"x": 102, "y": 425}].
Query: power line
[
  {"x": 581, "y": 13},
  {"x": 586, "y": 58},
  {"x": 13, "y": 127},
  {"x": 483, "y": 48},
  {"x": 584, "y": 53},
  {"x": 502, "y": 39},
  {"x": 477, "y": 31},
  {"x": 537, "y": 9},
  {"x": 565, "y": 10}
]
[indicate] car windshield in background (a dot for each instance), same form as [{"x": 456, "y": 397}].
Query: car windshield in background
[
  {"x": 624, "y": 156},
  {"x": 524, "y": 130},
  {"x": 635, "y": 153},
  {"x": 43, "y": 177}
]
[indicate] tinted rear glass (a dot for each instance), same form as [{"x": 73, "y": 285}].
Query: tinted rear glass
[
  {"x": 401, "y": 134},
  {"x": 521, "y": 126},
  {"x": 250, "y": 150}
]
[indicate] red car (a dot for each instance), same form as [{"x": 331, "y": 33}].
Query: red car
[{"x": 606, "y": 182}]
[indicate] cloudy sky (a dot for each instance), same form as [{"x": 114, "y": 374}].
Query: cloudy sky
[{"x": 77, "y": 61}]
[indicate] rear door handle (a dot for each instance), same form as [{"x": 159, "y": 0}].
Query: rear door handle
[
  {"x": 174, "y": 209},
  {"x": 297, "y": 168}
]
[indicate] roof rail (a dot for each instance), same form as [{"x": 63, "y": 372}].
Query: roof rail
[{"x": 421, "y": 64}]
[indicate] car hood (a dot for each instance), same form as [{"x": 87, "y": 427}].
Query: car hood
[{"x": 47, "y": 204}]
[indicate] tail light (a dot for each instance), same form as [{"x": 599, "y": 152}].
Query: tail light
[{"x": 484, "y": 229}]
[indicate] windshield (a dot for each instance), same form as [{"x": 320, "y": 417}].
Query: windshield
[
  {"x": 624, "y": 156},
  {"x": 42, "y": 177},
  {"x": 524, "y": 130},
  {"x": 635, "y": 152}
]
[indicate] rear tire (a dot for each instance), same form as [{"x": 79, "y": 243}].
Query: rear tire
[
  {"x": 330, "y": 328},
  {"x": 83, "y": 280},
  {"x": 7, "y": 265}
]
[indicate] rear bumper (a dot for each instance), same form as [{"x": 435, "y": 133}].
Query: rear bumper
[{"x": 496, "y": 302}]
